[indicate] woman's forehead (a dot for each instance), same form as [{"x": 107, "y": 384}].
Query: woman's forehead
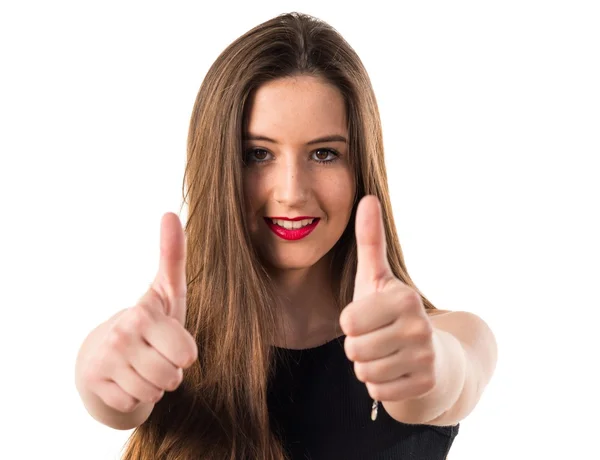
[{"x": 299, "y": 111}]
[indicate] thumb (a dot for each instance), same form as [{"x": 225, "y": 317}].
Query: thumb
[
  {"x": 373, "y": 266},
  {"x": 170, "y": 280}
]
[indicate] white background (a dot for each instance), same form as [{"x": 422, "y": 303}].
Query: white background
[{"x": 491, "y": 114}]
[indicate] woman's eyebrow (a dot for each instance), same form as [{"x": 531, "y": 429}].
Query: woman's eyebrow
[{"x": 330, "y": 138}]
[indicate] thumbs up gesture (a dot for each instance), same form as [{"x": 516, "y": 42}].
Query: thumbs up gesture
[
  {"x": 389, "y": 336},
  {"x": 141, "y": 353}
]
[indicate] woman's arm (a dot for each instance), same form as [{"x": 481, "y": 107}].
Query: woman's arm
[{"x": 467, "y": 355}]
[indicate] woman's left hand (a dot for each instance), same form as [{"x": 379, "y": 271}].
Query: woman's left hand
[{"x": 389, "y": 336}]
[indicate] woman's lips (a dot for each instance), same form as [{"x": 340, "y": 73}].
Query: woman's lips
[{"x": 292, "y": 234}]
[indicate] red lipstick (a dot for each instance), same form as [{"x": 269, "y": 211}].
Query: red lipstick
[
  {"x": 292, "y": 219},
  {"x": 293, "y": 234}
]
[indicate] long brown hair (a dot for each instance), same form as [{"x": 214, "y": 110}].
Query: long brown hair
[{"x": 220, "y": 409}]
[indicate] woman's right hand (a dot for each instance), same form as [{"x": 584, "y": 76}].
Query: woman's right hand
[{"x": 145, "y": 348}]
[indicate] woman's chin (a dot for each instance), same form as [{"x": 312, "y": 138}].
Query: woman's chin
[{"x": 290, "y": 265}]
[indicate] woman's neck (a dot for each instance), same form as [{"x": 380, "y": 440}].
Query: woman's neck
[{"x": 307, "y": 306}]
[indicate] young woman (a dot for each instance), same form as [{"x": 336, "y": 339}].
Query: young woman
[{"x": 287, "y": 302}]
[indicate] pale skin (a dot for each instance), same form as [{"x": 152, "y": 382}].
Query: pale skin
[
  {"x": 126, "y": 364},
  {"x": 425, "y": 368},
  {"x": 285, "y": 178}
]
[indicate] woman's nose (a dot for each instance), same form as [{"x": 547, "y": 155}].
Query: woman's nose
[{"x": 292, "y": 182}]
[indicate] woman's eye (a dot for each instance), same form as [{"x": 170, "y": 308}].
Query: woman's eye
[
  {"x": 256, "y": 155},
  {"x": 260, "y": 154},
  {"x": 323, "y": 155}
]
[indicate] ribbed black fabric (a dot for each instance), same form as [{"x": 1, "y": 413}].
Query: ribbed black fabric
[{"x": 321, "y": 411}]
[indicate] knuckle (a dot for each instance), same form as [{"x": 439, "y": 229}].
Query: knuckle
[
  {"x": 90, "y": 372},
  {"x": 350, "y": 348},
  {"x": 187, "y": 345},
  {"x": 140, "y": 318},
  {"x": 427, "y": 383},
  {"x": 427, "y": 358},
  {"x": 375, "y": 392},
  {"x": 361, "y": 372},
  {"x": 414, "y": 297},
  {"x": 175, "y": 381},
  {"x": 347, "y": 321},
  {"x": 422, "y": 332},
  {"x": 427, "y": 327},
  {"x": 152, "y": 395},
  {"x": 189, "y": 357},
  {"x": 194, "y": 350},
  {"x": 117, "y": 338},
  {"x": 128, "y": 404},
  {"x": 120, "y": 401},
  {"x": 157, "y": 396},
  {"x": 410, "y": 298},
  {"x": 184, "y": 361}
]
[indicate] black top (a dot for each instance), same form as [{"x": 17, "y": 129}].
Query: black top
[{"x": 321, "y": 411}]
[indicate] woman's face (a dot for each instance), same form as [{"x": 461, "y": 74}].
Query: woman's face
[{"x": 293, "y": 171}]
